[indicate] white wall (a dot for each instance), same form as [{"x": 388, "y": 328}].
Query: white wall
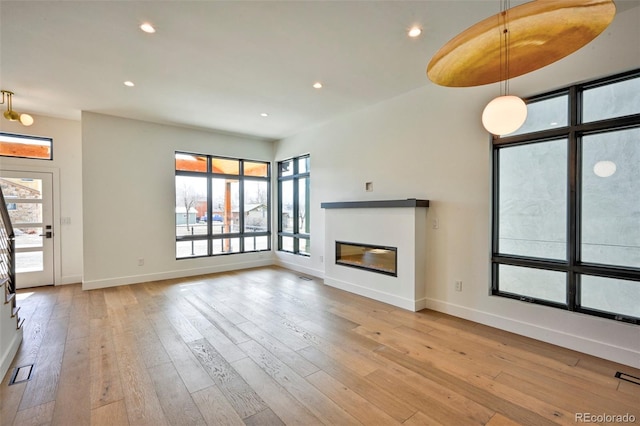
[
  {"x": 66, "y": 167},
  {"x": 129, "y": 199},
  {"x": 430, "y": 144}
]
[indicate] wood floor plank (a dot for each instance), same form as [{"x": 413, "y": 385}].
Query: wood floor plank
[
  {"x": 516, "y": 356},
  {"x": 287, "y": 355},
  {"x": 215, "y": 408},
  {"x": 35, "y": 329},
  {"x": 523, "y": 399},
  {"x": 444, "y": 405},
  {"x": 141, "y": 400},
  {"x": 46, "y": 372},
  {"x": 346, "y": 354},
  {"x": 114, "y": 414},
  {"x": 500, "y": 420},
  {"x": 35, "y": 416},
  {"x": 350, "y": 401},
  {"x": 421, "y": 419},
  {"x": 10, "y": 397},
  {"x": 176, "y": 311},
  {"x": 240, "y": 395},
  {"x": 190, "y": 369},
  {"x": 73, "y": 399},
  {"x": 282, "y": 403},
  {"x": 630, "y": 389},
  {"x": 277, "y": 331},
  {"x": 105, "y": 386},
  {"x": 97, "y": 304},
  {"x": 225, "y": 326},
  {"x": 316, "y": 402},
  {"x": 203, "y": 293},
  {"x": 264, "y": 418},
  {"x": 151, "y": 349},
  {"x": 79, "y": 315},
  {"x": 176, "y": 402},
  {"x": 576, "y": 400},
  {"x": 431, "y": 350},
  {"x": 225, "y": 346},
  {"x": 381, "y": 397},
  {"x": 460, "y": 385}
]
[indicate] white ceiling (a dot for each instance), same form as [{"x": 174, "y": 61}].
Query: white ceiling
[{"x": 220, "y": 64}]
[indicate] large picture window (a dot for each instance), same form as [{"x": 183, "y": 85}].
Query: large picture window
[
  {"x": 222, "y": 205},
  {"x": 566, "y": 210},
  {"x": 293, "y": 206}
]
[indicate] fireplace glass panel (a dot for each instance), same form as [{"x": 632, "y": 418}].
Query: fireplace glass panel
[{"x": 378, "y": 259}]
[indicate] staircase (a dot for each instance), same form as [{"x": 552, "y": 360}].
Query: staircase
[{"x": 10, "y": 322}]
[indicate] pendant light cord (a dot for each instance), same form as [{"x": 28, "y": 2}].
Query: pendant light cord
[{"x": 504, "y": 39}]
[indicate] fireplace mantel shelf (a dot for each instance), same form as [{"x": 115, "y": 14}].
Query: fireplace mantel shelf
[{"x": 409, "y": 202}]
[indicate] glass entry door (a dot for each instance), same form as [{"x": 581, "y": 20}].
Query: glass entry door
[{"x": 29, "y": 200}]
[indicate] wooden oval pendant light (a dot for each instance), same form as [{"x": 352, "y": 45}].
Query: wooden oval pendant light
[{"x": 540, "y": 33}]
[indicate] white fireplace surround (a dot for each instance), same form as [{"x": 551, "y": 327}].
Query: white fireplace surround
[{"x": 391, "y": 223}]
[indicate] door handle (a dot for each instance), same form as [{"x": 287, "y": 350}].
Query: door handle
[{"x": 47, "y": 234}]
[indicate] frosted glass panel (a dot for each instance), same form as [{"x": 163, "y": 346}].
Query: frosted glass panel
[
  {"x": 611, "y": 295},
  {"x": 545, "y": 114},
  {"x": 533, "y": 200},
  {"x": 535, "y": 283},
  {"x": 613, "y": 100},
  {"x": 610, "y": 202}
]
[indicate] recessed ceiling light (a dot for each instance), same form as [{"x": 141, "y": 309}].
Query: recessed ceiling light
[
  {"x": 264, "y": 114},
  {"x": 129, "y": 83},
  {"x": 147, "y": 28},
  {"x": 414, "y": 31},
  {"x": 317, "y": 85}
]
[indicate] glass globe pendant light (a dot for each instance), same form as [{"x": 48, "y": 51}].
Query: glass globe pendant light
[{"x": 506, "y": 113}]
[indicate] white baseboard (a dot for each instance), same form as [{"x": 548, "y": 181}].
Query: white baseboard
[
  {"x": 134, "y": 279},
  {"x": 10, "y": 352},
  {"x": 70, "y": 279},
  {"x": 299, "y": 268},
  {"x": 604, "y": 350},
  {"x": 392, "y": 299}
]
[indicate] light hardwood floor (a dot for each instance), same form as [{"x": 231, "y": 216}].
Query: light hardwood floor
[{"x": 265, "y": 347}]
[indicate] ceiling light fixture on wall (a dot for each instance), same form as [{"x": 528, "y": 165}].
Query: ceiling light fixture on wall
[
  {"x": 12, "y": 115},
  {"x": 538, "y": 34}
]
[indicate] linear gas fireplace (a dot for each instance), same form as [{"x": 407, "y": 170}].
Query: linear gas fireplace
[{"x": 383, "y": 260}]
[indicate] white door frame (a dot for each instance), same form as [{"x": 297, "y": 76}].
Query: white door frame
[{"x": 55, "y": 172}]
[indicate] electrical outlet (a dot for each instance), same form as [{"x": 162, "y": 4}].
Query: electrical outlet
[
  {"x": 458, "y": 285},
  {"x": 436, "y": 223},
  {"x": 141, "y": 261},
  {"x": 321, "y": 259}
]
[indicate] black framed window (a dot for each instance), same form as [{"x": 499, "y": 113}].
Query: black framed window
[
  {"x": 566, "y": 210},
  {"x": 222, "y": 205},
  {"x": 293, "y": 206}
]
